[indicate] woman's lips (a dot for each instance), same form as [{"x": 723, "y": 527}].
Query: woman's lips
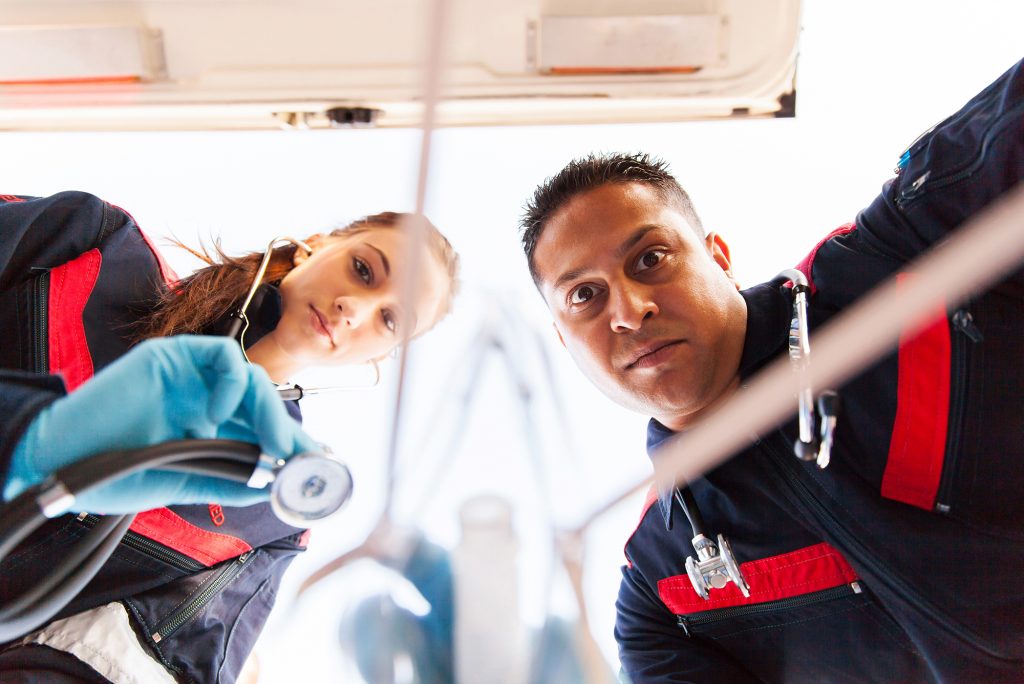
[
  {"x": 658, "y": 356},
  {"x": 320, "y": 324}
]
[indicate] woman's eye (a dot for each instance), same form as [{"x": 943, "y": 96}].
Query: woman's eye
[
  {"x": 582, "y": 294},
  {"x": 362, "y": 270},
  {"x": 390, "y": 322},
  {"x": 649, "y": 259}
]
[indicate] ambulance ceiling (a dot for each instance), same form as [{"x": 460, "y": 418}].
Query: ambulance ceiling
[{"x": 261, "y": 64}]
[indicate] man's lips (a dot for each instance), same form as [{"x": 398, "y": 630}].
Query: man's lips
[
  {"x": 320, "y": 324},
  {"x": 653, "y": 354}
]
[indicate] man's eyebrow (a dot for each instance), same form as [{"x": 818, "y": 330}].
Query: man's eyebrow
[
  {"x": 384, "y": 259},
  {"x": 620, "y": 252},
  {"x": 631, "y": 241}
]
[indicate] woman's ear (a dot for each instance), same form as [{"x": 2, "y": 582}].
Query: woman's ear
[{"x": 314, "y": 242}]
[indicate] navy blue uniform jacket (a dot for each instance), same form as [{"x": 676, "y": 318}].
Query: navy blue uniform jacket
[
  {"x": 903, "y": 561},
  {"x": 198, "y": 581}
]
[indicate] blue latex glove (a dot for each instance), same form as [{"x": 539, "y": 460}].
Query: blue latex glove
[{"x": 164, "y": 389}]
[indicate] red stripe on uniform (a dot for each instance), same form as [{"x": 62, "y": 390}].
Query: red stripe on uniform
[
  {"x": 813, "y": 568},
  {"x": 70, "y": 287},
  {"x": 807, "y": 264},
  {"x": 209, "y": 548},
  {"x": 918, "y": 446}
]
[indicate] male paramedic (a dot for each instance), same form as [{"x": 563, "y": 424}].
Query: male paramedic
[{"x": 903, "y": 560}]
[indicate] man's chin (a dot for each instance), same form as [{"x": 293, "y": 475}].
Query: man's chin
[{"x": 652, "y": 398}]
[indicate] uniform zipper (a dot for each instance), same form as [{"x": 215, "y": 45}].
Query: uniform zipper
[
  {"x": 963, "y": 322},
  {"x": 149, "y": 547},
  {"x": 40, "y": 326},
  {"x": 915, "y": 188},
  {"x": 710, "y": 616},
  {"x": 206, "y": 592},
  {"x": 851, "y": 544}
]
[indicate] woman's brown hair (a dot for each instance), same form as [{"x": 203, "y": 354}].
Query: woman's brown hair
[{"x": 197, "y": 301}]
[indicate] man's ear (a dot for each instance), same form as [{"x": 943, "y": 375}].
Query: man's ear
[
  {"x": 558, "y": 332},
  {"x": 719, "y": 251},
  {"x": 314, "y": 242}
]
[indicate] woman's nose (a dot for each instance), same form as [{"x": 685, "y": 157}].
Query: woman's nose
[{"x": 352, "y": 311}]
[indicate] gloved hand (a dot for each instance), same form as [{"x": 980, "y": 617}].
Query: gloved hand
[{"x": 164, "y": 389}]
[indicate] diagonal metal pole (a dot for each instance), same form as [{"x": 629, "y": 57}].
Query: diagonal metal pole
[{"x": 433, "y": 68}]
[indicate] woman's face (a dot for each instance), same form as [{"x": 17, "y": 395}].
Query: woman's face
[{"x": 343, "y": 304}]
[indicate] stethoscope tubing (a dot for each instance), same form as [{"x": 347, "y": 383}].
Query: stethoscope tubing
[{"x": 227, "y": 459}]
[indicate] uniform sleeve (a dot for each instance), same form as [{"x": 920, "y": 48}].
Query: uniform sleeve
[
  {"x": 951, "y": 172},
  {"x": 654, "y": 649},
  {"x": 41, "y": 233},
  {"x": 22, "y": 397}
]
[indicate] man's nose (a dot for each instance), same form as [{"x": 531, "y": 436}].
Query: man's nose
[{"x": 630, "y": 308}]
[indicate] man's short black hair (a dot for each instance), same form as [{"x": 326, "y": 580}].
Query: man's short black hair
[{"x": 593, "y": 171}]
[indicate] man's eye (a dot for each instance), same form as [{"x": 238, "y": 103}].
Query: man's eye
[
  {"x": 649, "y": 259},
  {"x": 582, "y": 294},
  {"x": 362, "y": 270}
]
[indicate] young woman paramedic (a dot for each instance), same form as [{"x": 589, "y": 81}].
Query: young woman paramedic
[{"x": 84, "y": 293}]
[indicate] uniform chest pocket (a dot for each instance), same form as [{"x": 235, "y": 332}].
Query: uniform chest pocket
[
  {"x": 955, "y": 149},
  {"x": 836, "y": 634}
]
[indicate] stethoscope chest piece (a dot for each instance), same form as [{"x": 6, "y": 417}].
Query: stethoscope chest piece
[
  {"x": 715, "y": 567},
  {"x": 309, "y": 487}
]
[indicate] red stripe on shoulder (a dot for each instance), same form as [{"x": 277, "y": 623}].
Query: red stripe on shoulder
[
  {"x": 11, "y": 198},
  {"x": 807, "y": 263},
  {"x": 171, "y": 530},
  {"x": 652, "y": 496},
  {"x": 806, "y": 570},
  {"x": 70, "y": 287},
  {"x": 917, "y": 449}
]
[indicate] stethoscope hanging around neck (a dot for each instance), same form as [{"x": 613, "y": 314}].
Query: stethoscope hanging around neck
[
  {"x": 240, "y": 324},
  {"x": 716, "y": 565}
]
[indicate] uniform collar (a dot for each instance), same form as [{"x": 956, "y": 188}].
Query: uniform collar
[
  {"x": 264, "y": 313},
  {"x": 769, "y": 309}
]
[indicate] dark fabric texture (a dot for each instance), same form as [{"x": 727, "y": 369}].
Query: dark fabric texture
[{"x": 35, "y": 664}]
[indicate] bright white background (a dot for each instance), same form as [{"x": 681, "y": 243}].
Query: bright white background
[{"x": 872, "y": 75}]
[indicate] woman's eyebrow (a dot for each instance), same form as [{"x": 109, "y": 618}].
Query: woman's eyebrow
[{"x": 383, "y": 258}]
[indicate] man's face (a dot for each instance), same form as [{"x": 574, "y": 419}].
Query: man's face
[{"x": 648, "y": 310}]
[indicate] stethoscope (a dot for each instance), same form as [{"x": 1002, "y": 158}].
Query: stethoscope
[
  {"x": 306, "y": 488},
  {"x": 715, "y": 565}
]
